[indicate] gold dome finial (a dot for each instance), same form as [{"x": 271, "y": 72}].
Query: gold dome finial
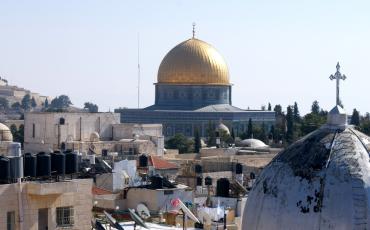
[{"x": 194, "y": 29}]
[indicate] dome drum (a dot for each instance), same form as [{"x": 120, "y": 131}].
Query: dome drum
[{"x": 191, "y": 96}]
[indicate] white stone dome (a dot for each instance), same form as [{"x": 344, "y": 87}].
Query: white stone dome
[
  {"x": 320, "y": 182},
  {"x": 223, "y": 128},
  {"x": 252, "y": 143},
  {"x": 5, "y": 133}
]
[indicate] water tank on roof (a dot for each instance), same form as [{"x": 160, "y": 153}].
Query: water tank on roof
[
  {"x": 58, "y": 163},
  {"x": 16, "y": 167},
  {"x": 30, "y": 165},
  {"x": 71, "y": 163},
  {"x": 208, "y": 181},
  {"x": 198, "y": 168},
  {"x": 239, "y": 168},
  {"x": 143, "y": 161},
  {"x": 199, "y": 181},
  {"x": 252, "y": 176},
  {"x": 223, "y": 187},
  {"x": 4, "y": 169},
  {"x": 43, "y": 165},
  {"x": 14, "y": 149},
  {"x": 104, "y": 152},
  {"x": 156, "y": 182}
]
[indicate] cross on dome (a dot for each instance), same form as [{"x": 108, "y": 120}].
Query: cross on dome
[{"x": 338, "y": 76}]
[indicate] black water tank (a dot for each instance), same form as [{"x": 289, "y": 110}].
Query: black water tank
[
  {"x": 198, "y": 168},
  {"x": 239, "y": 168},
  {"x": 43, "y": 165},
  {"x": 143, "y": 161},
  {"x": 199, "y": 181},
  {"x": 252, "y": 176},
  {"x": 156, "y": 182},
  {"x": 58, "y": 163},
  {"x": 4, "y": 169},
  {"x": 30, "y": 165},
  {"x": 104, "y": 152},
  {"x": 223, "y": 186},
  {"x": 71, "y": 163},
  {"x": 16, "y": 168},
  {"x": 208, "y": 180}
]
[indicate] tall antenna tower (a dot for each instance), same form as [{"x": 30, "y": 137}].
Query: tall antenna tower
[{"x": 138, "y": 70}]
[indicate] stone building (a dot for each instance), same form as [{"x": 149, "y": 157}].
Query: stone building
[
  {"x": 90, "y": 132},
  {"x": 44, "y": 205},
  {"x": 193, "y": 91}
]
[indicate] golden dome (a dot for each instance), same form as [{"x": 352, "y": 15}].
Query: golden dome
[{"x": 193, "y": 62}]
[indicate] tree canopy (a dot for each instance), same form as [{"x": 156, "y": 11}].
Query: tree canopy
[
  {"x": 92, "y": 108},
  {"x": 180, "y": 142}
]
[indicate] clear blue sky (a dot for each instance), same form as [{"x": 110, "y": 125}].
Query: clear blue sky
[{"x": 277, "y": 51}]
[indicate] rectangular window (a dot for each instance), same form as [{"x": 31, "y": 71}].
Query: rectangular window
[
  {"x": 65, "y": 216},
  {"x": 10, "y": 220},
  {"x": 33, "y": 130}
]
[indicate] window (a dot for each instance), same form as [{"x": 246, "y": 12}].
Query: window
[
  {"x": 33, "y": 130},
  {"x": 65, "y": 216},
  {"x": 10, "y": 220}
]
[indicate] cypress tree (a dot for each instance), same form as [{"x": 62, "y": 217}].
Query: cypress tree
[
  {"x": 355, "y": 119},
  {"x": 197, "y": 142},
  {"x": 250, "y": 128},
  {"x": 290, "y": 124}
]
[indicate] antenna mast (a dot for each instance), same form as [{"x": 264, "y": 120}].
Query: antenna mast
[{"x": 138, "y": 70}]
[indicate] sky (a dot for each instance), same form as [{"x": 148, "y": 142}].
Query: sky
[{"x": 277, "y": 51}]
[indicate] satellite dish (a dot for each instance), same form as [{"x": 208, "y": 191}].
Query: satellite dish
[
  {"x": 113, "y": 222},
  {"x": 137, "y": 219},
  {"x": 143, "y": 211},
  {"x": 187, "y": 211},
  {"x": 204, "y": 217}
]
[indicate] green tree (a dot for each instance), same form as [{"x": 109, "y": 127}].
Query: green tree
[
  {"x": 33, "y": 102},
  {"x": 312, "y": 122},
  {"x": 355, "y": 119},
  {"x": 278, "y": 109},
  {"x": 26, "y": 102},
  {"x": 180, "y": 142},
  {"x": 60, "y": 103},
  {"x": 232, "y": 133},
  {"x": 269, "y": 107},
  {"x": 250, "y": 128},
  {"x": 290, "y": 125},
  {"x": 46, "y": 103},
  {"x": 16, "y": 105},
  {"x": 365, "y": 127},
  {"x": 92, "y": 108},
  {"x": 4, "y": 103},
  {"x": 13, "y": 130},
  {"x": 211, "y": 134},
  {"x": 197, "y": 141},
  {"x": 296, "y": 115},
  {"x": 315, "y": 108}
]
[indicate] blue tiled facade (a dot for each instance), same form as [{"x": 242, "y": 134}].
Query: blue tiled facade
[{"x": 189, "y": 97}]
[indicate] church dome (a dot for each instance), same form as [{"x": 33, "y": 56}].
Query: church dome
[
  {"x": 320, "y": 182},
  {"x": 193, "y": 62}
]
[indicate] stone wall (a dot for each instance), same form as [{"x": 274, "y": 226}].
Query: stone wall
[{"x": 80, "y": 197}]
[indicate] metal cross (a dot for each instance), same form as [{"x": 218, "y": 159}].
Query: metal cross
[
  {"x": 193, "y": 29},
  {"x": 338, "y": 76}
]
